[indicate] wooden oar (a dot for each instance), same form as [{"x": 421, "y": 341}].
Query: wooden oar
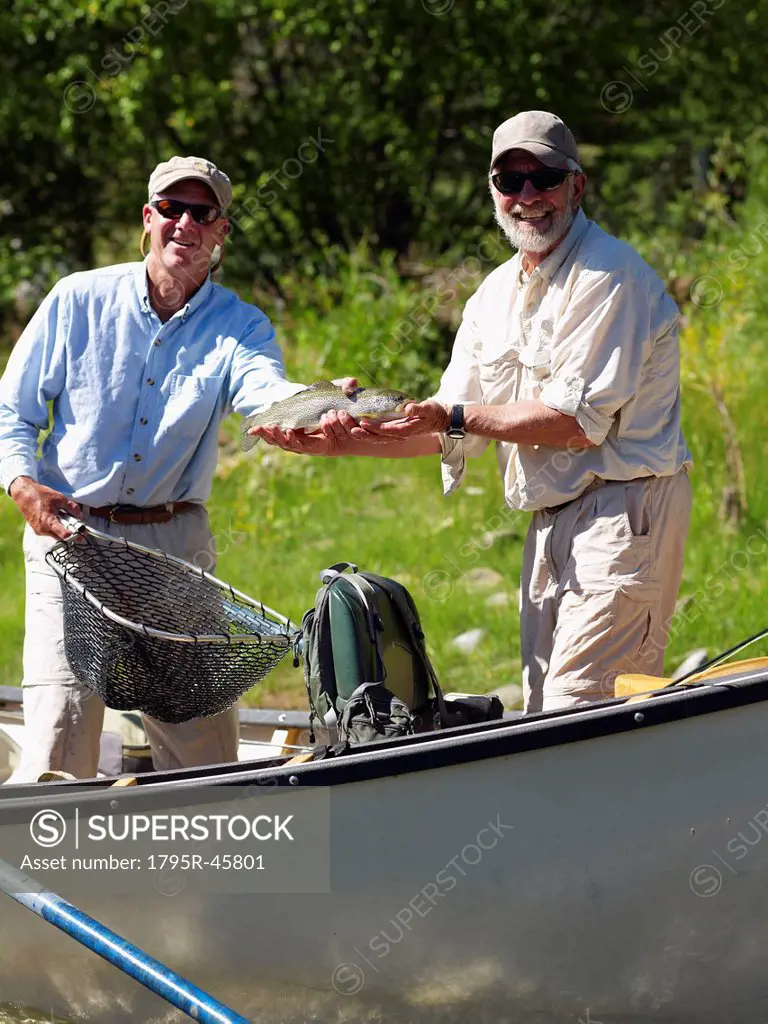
[
  {"x": 637, "y": 686},
  {"x": 128, "y": 958}
]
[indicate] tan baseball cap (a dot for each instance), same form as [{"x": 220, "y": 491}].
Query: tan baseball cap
[
  {"x": 538, "y": 132},
  {"x": 181, "y": 168}
]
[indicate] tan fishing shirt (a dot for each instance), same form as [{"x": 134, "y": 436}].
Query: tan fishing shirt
[{"x": 591, "y": 332}]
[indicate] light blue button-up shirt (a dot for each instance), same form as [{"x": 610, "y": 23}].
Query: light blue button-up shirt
[{"x": 137, "y": 403}]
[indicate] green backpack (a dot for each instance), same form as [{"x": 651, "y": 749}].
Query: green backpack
[{"x": 366, "y": 667}]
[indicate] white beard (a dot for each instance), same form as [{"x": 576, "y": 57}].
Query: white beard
[{"x": 529, "y": 238}]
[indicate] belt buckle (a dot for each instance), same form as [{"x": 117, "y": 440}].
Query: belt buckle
[{"x": 121, "y": 510}]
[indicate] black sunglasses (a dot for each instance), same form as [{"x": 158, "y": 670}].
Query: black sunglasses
[
  {"x": 174, "y": 209},
  {"x": 510, "y": 183}
]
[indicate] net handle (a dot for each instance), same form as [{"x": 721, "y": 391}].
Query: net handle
[
  {"x": 72, "y": 523},
  {"x": 78, "y": 527}
]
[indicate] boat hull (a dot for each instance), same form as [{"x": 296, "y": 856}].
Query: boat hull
[{"x": 611, "y": 874}]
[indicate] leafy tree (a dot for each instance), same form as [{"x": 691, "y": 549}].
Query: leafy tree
[{"x": 338, "y": 121}]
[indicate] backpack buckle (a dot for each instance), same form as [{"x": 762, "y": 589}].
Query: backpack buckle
[{"x": 298, "y": 648}]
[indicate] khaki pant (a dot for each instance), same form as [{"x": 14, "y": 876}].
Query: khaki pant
[
  {"x": 599, "y": 584},
  {"x": 62, "y": 718}
]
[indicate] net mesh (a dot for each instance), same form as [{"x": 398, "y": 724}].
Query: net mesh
[{"x": 217, "y": 642}]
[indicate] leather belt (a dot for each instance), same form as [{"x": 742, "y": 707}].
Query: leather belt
[
  {"x": 134, "y": 515},
  {"x": 596, "y": 484}
]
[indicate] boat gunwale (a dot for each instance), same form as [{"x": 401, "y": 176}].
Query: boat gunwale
[{"x": 426, "y": 751}]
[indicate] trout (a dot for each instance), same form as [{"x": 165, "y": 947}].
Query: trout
[{"x": 303, "y": 410}]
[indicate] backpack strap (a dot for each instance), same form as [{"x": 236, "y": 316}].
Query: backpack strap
[
  {"x": 372, "y": 619},
  {"x": 416, "y": 636},
  {"x": 317, "y": 621},
  {"x": 373, "y": 622}
]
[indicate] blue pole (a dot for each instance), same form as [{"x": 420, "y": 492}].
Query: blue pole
[{"x": 128, "y": 958}]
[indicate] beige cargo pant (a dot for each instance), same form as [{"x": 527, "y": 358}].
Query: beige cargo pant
[
  {"x": 62, "y": 718},
  {"x": 599, "y": 584}
]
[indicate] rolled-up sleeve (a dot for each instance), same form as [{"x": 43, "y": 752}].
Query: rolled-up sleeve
[
  {"x": 34, "y": 375},
  {"x": 600, "y": 348},
  {"x": 460, "y": 385},
  {"x": 257, "y": 376}
]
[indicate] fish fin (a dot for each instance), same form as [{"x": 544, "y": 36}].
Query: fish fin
[{"x": 323, "y": 385}]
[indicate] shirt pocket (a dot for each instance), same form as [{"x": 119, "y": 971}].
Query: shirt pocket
[
  {"x": 192, "y": 401},
  {"x": 536, "y": 368},
  {"x": 499, "y": 372}
]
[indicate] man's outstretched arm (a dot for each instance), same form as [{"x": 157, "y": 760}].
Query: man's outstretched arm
[{"x": 526, "y": 422}]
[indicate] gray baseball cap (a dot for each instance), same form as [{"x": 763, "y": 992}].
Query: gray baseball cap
[
  {"x": 181, "y": 168},
  {"x": 538, "y": 132}
]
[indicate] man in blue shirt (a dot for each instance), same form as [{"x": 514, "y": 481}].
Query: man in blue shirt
[{"x": 141, "y": 363}]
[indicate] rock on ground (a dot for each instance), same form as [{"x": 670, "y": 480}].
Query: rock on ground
[
  {"x": 469, "y": 641},
  {"x": 483, "y": 578}
]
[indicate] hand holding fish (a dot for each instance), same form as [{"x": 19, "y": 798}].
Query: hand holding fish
[
  {"x": 324, "y": 406},
  {"x": 428, "y": 417},
  {"x": 297, "y": 441}
]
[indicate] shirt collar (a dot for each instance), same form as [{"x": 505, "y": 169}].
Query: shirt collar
[
  {"x": 202, "y": 295},
  {"x": 142, "y": 291},
  {"x": 556, "y": 259}
]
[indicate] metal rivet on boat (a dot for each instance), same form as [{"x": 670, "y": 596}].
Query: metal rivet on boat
[
  {"x": 114, "y": 804},
  {"x": 293, "y": 780},
  {"x": 639, "y": 717},
  {"x": 281, "y": 718}
]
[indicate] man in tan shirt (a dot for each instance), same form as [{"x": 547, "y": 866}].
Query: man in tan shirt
[{"x": 568, "y": 358}]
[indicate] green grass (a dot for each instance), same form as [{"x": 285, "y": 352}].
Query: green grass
[{"x": 12, "y": 604}]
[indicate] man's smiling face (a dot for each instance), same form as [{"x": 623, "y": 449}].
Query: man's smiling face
[
  {"x": 535, "y": 221},
  {"x": 183, "y": 246}
]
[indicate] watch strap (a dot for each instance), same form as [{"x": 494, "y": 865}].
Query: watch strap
[{"x": 456, "y": 425}]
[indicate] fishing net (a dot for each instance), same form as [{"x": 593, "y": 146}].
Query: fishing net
[{"x": 150, "y": 632}]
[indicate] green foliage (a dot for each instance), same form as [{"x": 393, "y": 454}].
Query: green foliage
[
  {"x": 338, "y": 121},
  {"x": 361, "y": 318}
]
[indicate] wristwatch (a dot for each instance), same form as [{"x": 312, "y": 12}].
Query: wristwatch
[{"x": 456, "y": 426}]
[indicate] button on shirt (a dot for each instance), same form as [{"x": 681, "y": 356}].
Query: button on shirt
[
  {"x": 591, "y": 332},
  {"x": 137, "y": 403}
]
